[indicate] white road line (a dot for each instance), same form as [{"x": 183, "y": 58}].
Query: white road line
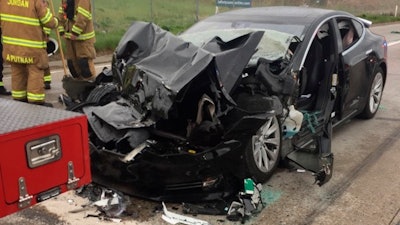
[{"x": 393, "y": 43}]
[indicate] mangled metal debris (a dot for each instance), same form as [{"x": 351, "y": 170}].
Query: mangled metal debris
[
  {"x": 248, "y": 204},
  {"x": 245, "y": 205},
  {"x": 111, "y": 205},
  {"x": 174, "y": 218}
]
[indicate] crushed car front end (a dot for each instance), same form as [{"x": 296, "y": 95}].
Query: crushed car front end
[{"x": 182, "y": 127}]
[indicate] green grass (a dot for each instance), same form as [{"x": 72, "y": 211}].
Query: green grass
[
  {"x": 380, "y": 18},
  {"x": 113, "y": 18}
]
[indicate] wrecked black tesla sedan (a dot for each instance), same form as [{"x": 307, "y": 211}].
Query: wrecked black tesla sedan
[{"x": 230, "y": 98}]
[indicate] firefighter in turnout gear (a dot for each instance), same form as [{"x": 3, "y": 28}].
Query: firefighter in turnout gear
[
  {"x": 3, "y": 90},
  {"x": 24, "y": 44},
  {"x": 76, "y": 26}
]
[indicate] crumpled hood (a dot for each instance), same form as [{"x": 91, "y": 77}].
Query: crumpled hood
[{"x": 158, "y": 64}]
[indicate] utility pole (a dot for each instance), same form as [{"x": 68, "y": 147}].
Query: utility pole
[
  {"x": 151, "y": 10},
  {"x": 197, "y": 10}
]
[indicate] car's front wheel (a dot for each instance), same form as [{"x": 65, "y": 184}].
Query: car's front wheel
[
  {"x": 262, "y": 154},
  {"x": 374, "y": 95}
]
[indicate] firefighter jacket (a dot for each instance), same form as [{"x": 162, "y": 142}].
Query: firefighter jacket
[
  {"x": 22, "y": 23},
  {"x": 76, "y": 18}
]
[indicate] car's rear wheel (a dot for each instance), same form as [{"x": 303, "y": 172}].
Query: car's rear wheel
[
  {"x": 262, "y": 154},
  {"x": 374, "y": 95}
]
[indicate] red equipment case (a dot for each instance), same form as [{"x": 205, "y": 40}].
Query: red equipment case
[{"x": 43, "y": 152}]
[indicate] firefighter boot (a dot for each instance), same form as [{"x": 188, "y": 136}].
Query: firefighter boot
[
  {"x": 47, "y": 85},
  {"x": 3, "y": 91}
]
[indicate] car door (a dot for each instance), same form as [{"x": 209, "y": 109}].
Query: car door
[
  {"x": 353, "y": 68},
  {"x": 316, "y": 102}
]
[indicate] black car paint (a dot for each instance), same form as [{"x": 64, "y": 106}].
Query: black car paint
[{"x": 172, "y": 166}]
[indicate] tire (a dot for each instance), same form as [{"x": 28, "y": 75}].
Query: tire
[
  {"x": 374, "y": 96},
  {"x": 262, "y": 154},
  {"x": 99, "y": 94}
]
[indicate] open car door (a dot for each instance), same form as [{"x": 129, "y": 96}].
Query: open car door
[{"x": 316, "y": 101}]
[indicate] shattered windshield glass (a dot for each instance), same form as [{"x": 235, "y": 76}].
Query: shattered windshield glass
[{"x": 273, "y": 45}]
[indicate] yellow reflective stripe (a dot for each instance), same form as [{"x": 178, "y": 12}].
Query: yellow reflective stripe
[
  {"x": 87, "y": 36},
  {"x": 47, "y": 30},
  {"x": 84, "y": 12},
  {"x": 1, "y": 83},
  {"x": 76, "y": 29},
  {"x": 46, "y": 18},
  {"x": 18, "y": 94},
  {"x": 61, "y": 29},
  {"x": 20, "y": 19},
  {"x": 60, "y": 9},
  {"x": 47, "y": 77},
  {"x": 36, "y": 97},
  {"x": 82, "y": 37},
  {"x": 24, "y": 42}
]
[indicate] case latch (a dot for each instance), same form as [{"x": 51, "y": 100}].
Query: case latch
[
  {"x": 72, "y": 180},
  {"x": 24, "y": 198},
  {"x": 43, "y": 151}
]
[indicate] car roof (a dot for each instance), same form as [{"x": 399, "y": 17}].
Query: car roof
[{"x": 276, "y": 14}]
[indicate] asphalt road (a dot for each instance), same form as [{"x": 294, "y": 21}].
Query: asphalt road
[{"x": 364, "y": 189}]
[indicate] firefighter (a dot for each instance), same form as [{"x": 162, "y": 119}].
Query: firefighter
[
  {"x": 3, "y": 90},
  {"x": 24, "y": 45},
  {"x": 76, "y": 26}
]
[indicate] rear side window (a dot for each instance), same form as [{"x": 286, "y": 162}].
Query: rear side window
[
  {"x": 350, "y": 31},
  {"x": 359, "y": 27}
]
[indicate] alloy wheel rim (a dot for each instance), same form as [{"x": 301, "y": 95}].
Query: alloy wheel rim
[
  {"x": 376, "y": 93},
  {"x": 266, "y": 145}
]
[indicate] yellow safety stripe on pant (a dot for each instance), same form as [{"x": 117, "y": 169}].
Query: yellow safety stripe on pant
[
  {"x": 24, "y": 42},
  {"x": 36, "y": 97},
  {"x": 18, "y": 94},
  {"x": 84, "y": 12},
  {"x": 81, "y": 37},
  {"x": 1, "y": 83},
  {"x": 46, "y": 17},
  {"x": 47, "y": 77},
  {"x": 20, "y": 19}
]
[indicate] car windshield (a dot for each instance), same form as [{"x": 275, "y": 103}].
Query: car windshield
[
  {"x": 295, "y": 29},
  {"x": 272, "y": 46}
]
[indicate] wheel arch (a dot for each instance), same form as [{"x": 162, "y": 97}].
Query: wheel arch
[{"x": 383, "y": 66}]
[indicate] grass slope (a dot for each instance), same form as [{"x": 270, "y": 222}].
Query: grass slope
[{"x": 113, "y": 18}]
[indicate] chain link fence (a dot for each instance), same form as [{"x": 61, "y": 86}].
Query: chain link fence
[{"x": 387, "y": 7}]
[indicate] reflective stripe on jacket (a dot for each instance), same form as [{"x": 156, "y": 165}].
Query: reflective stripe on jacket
[
  {"x": 81, "y": 25},
  {"x": 22, "y": 25}
]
